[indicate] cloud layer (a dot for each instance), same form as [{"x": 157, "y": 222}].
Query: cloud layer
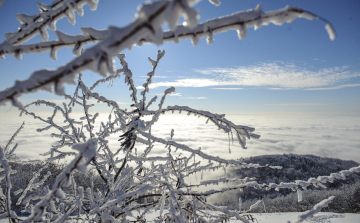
[
  {"x": 329, "y": 136},
  {"x": 278, "y": 75}
]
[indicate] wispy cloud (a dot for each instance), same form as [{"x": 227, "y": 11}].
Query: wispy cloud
[
  {"x": 195, "y": 98},
  {"x": 175, "y": 94},
  {"x": 274, "y": 75},
  {"x": 229, "y": 88},
  {"x": 334, "y": 88},
  {"x": 303, "y": 104}
]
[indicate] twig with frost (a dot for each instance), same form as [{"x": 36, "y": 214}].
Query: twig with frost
[
  {"x": 239, "y": 21},
  {"x": 12, "y": 139},
  {"x": 317, "y": 208},
  {"x": 87, "y": 151},
  {"x": 48, "y": 16},
  {"x": 30, "y": 185},
  {"x": 12, "y": 215}
]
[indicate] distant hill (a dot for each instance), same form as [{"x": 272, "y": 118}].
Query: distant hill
[{"x": 295, "y": 167}]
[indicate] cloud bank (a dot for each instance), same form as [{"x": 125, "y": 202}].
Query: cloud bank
[
  {"x": 276, "y": 75},
  {"x": 327, "y": 135}
]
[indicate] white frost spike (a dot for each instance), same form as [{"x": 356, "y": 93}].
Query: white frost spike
[
  {"x": 300, "y": 196},
  {"x": 172, "y": 15},
  {"x": 195, "y": 40},
  {"x": 53, "y": 53},
  {"x": 52, "y": 24},
  {"x": 44, "y": 34},
  {"x": 315, "y": 209},
  {"x": 9, "y": 35},
  {"x": 258, "y": 24},
  {"x": 65, "y": 38},
  {"x": 153, "y": 62},
  {"x": 160, "y": 54},
  {"x": 105, "y": 65},
  {"x": 242, "y": 31},
  {"x": 77, "y": 49},
  {"x": 215, "y": 2},
  {"x": 162, "y": 202},
  {"x": 331, "y": 31},
  {"x": 42, "y": 7},
  {"x": 210, "y": 38},
  {"x": 79, "y": 9},
  {"x": 191, "y": 18},
  {"x": 92, "y": 4},
  {"x": 70, "y": 15},
  {"x": 24, "y": 19},
  {"x": 18, "y": 55}
]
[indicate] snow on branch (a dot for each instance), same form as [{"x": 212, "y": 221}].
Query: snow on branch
[
  {"x": 87, "y": 151},
  {"x": 317, "y": 208},
  {"x": 242, "y": 132},
  {"x": 50, "y": 14},
  {"x": 239, "y": 21},
  {"x": 147, "y": 27},
  {"x": 8, "y": 185},
  {"x": 12, "y": 139},
  {"x": 198, "y": 152},
  {"x": 294, "y": 185}
]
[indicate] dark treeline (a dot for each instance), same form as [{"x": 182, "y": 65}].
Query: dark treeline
[
  {"x": 296, "y": 167},
  {"x": 22, "y": 173}
]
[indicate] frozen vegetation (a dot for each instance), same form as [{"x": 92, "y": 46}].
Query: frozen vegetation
[{"x": 126, "y": 182}]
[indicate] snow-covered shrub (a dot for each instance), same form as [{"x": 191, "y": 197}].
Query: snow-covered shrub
[
  {"x": 132, "y": 179},
  {"x": 345, "y": 201}
]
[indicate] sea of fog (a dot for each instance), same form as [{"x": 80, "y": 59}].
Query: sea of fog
[{"x": 335, "y": 136}]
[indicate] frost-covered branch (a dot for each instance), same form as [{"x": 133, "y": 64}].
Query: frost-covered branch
[
  {"x": 12, "y": 138},
  {"x": 239, "y": 21},
  {"x": 87, "y": 151},
  {"x": 50, "y": 14},
  {"x": 317, "y": 208},
  {"x": 8, "y": 185}
]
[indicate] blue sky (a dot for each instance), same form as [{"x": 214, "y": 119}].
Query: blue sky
[{"x": 290, "y": 68}]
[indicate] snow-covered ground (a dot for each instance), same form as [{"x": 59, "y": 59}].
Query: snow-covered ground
[{"x": 321, "y": 217}]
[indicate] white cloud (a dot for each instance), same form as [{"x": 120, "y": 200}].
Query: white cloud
[
  {"x": 303, "y": 104},
  {"x": 195, "y": 98},
  {"x": 276, "y": 75},
  {"x": 189, "y": 82},
  {"x": 175, "y": 94},
  {"x": 334, "y": 88},
  {"x": 332, "y": 136},
  {"x": 227, "y": 88}
]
